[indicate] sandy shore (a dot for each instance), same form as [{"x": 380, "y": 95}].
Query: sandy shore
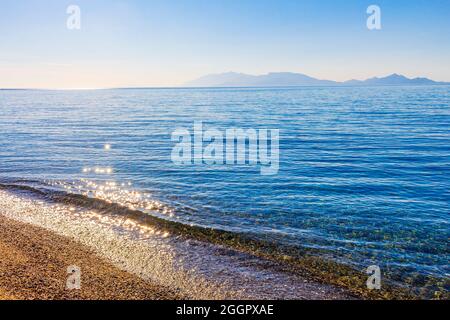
[
  {"x": 34, "y": 263},
  {"x": 124, "y": 259}
]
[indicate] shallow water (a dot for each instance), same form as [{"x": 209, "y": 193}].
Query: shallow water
[{"x": 364, "y": 172}]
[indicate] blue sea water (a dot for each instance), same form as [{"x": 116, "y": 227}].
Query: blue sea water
[{"x": 364, "y": 171}]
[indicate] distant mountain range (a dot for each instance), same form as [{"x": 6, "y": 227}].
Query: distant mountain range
[{"x": 285, "y": 79}]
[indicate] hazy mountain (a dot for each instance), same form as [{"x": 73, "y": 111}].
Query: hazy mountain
[
  {"x": 393, "y": 80},
  {"x": 279, "y": 79},
  {"x": 220, "y": 80},
  {"x": 283, "y": 79}
]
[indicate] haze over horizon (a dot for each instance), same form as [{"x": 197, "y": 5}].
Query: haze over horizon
[
  {"x": 233, "y": 79},
  {"x": 160, "y": 43}
]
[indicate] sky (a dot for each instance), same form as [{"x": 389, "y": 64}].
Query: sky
[{"x": 144, "y": 43}]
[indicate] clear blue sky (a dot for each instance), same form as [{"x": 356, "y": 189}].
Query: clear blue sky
[{"x": 168, "y": 42}]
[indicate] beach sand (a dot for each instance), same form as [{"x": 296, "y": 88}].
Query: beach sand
[{"x": 34, "y": 264}]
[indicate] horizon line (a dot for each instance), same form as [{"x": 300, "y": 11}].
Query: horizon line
[
  {"x": 441, "y": 83},
  {"x": 186, "y": 85}
]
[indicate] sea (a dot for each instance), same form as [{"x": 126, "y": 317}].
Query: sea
[{"x": 363, "y": 173}]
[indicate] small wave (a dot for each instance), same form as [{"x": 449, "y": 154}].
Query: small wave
[{"x": 237, "y": 240}]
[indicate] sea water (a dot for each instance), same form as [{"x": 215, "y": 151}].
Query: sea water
[{"x": 363, "y": 177}]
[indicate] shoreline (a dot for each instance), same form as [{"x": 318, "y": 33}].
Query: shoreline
[
  {"x": 154, "y": 250},
  {"x": 34, "y": 266},
  {"x": 199, "y": 263},
  {"x": 191, "y": 269}
]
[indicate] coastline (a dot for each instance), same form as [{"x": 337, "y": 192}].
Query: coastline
[
  {"x": 50, "y": 237},
  {"x": 195, "y": 263},
  {"x": 34, "y": 266}
]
